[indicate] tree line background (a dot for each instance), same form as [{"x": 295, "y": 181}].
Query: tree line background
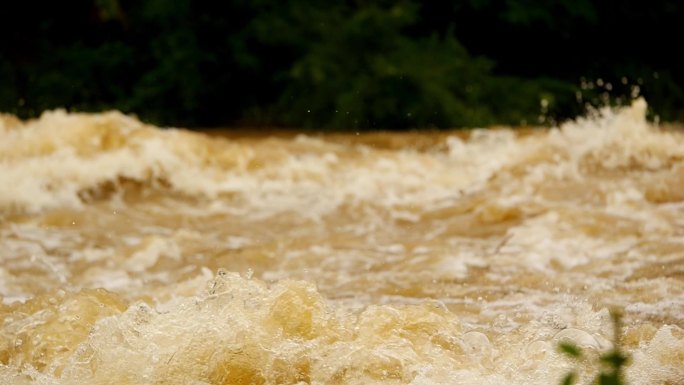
[{"x": 352, "y": 64}]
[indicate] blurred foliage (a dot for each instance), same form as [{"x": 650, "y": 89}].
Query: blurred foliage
[
  {"x": 611, "y": 364},
  {"x": 355, "y": 64}
]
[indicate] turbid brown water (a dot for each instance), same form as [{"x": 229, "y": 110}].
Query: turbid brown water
[{"x": 135, "y": 255}]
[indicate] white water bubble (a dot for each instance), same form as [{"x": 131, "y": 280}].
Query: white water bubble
[
  {"x": 476, "y": 342},
  {"x": 538, "y": 349},
  {"x": 578, "y": 337}
]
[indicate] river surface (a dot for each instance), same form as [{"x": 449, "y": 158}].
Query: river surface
[{"x": 131, "y": 254}]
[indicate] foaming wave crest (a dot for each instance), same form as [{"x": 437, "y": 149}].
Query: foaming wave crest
[{"x": 242, "y": 331}]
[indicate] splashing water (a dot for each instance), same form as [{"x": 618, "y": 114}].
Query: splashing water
[{"x": 134, "y": 255}]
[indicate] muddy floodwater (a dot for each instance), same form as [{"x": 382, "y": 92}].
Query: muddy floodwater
[{"x": 131, "y": 254}]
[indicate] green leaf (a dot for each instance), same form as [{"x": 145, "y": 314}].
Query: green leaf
[
  {"x": 615, "y": 359},
  {"x": 570, "y": 349},
  {"x": 609, "y": 379},
  {"x": 569, "y": 378}
]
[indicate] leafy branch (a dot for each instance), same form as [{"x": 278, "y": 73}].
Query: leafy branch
[{"x": 612, "y": 362}]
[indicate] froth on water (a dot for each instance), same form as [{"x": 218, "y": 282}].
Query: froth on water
[{"x": 134, "y": 255}]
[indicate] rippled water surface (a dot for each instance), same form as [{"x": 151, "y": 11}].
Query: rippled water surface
[{"x": 135, "y": 255}]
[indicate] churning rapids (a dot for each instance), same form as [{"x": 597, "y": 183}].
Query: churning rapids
[{"x": 135, "y": 255}]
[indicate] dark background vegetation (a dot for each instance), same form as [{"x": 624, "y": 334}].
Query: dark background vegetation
[{"x": 340, "y": 64}]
